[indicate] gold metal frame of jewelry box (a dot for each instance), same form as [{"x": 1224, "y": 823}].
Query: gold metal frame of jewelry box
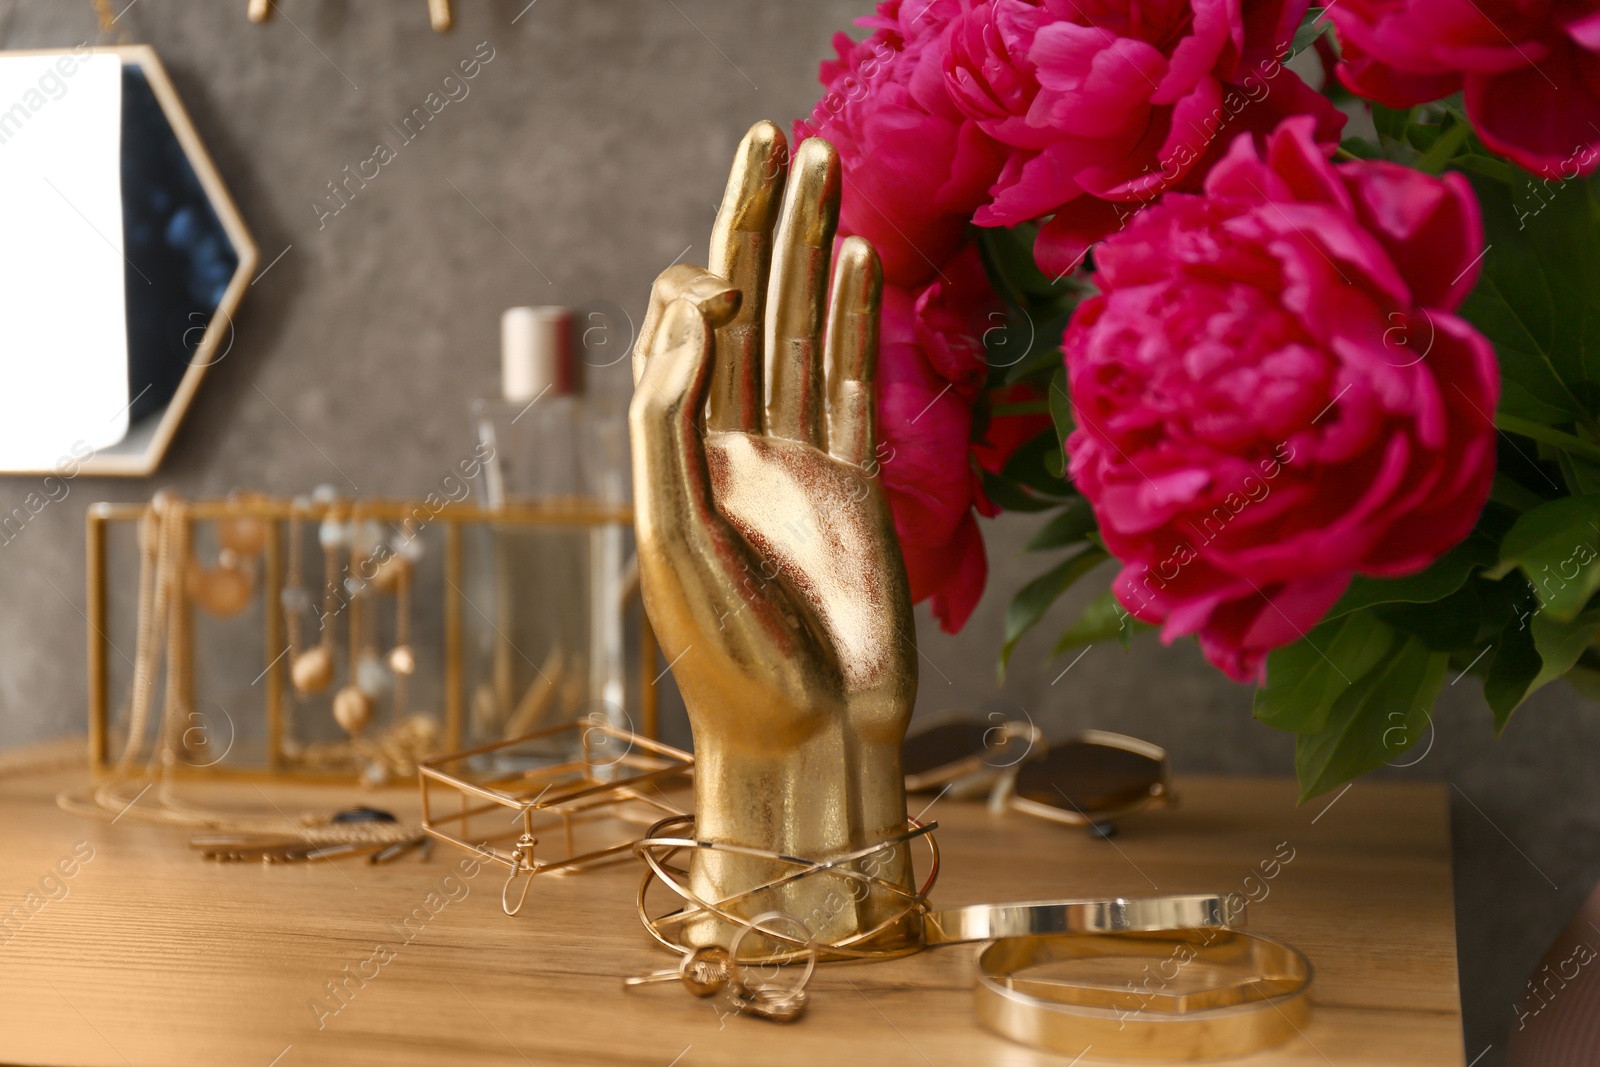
[{"x": 452, "y": 518}]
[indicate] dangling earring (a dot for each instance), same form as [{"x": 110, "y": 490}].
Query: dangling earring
[
  {"x": 352, "y": 706},
  {"x": 311, "y": 670},
  {"x": 228, "y": 588},
  {"x": 402, "y": 659}
]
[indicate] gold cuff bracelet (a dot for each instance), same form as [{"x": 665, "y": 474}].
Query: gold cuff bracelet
[
  {"x": 986, "y": 922},
  {"x": 1242, "y": 993}
]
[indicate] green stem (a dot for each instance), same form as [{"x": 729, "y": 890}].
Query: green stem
[
  {"x": 1434, "y": 160},
  {"x": 1549, "y": 435}
]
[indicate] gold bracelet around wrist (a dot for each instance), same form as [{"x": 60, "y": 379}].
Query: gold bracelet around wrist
[{"x": 1174, "y": 996}]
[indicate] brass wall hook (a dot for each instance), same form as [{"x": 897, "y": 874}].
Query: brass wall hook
[{"x": 439, "y": 14}]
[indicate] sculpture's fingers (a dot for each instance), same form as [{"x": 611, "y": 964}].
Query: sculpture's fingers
[
  {"x": 692, "y": 562},
  {"x": 797, "y": 292},
  {"x": 673, "y": 496},
  {"x": 852, "y": 352},
  {"x": 716, "y": 300},
  {"x": 741, "y": 252}
]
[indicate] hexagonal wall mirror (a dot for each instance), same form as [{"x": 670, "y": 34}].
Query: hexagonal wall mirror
[{"x": 122, "y": 260}]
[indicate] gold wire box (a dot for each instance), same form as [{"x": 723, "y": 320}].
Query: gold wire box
[
  {"x": 619, "y": 777},
  {"x": 449, "y": 524}
]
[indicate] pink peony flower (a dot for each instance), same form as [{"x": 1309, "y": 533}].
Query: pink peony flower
[
  {"x": 1105, "y": 106},
  {"x": 950, "y": 318},
  {"x": 931, "y": 370},
  {"x": 915, "y": 169},
  {"x": 996, "y": 112},
  {"x": 923, "y": 428},
  {"x": 1530, "y": 70},
  {"x": 1272, "y": 393}
]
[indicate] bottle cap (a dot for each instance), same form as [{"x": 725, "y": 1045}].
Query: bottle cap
[{"x": 536, "y": 353}]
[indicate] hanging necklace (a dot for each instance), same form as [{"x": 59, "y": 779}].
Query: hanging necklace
[{"x": 164, "y": 622}]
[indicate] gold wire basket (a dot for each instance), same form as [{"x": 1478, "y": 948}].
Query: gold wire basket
[{"x": 600, "y": 803}]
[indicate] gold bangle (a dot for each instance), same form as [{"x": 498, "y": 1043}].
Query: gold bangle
[
  {"x": 986, "y": 922},
  {"x": 1163, "y": 1015},
  {"x": 658, "y": 851}
]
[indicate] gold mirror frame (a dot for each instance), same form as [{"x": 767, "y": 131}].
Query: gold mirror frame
[{"x": 219, "y": 330}]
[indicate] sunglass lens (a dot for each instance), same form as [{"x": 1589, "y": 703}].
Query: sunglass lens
[
  {"x": 1088, "y": 778},
  {"x": 940, "y": 746}
]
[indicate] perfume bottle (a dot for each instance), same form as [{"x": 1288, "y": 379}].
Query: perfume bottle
[{"x": 553, "y": 651}]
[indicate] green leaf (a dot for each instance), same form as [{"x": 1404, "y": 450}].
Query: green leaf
[
  {"x": 1103, "y": 618},
  {"x": 1505, "y": 602},
  {"x": 1361, "y": 148},
  {"x": 1374, "y": 719},
  {"x": 1551, "y": 442},
  {"x": 1008, "y": 255},
  {"x": 1582, "y": 476},
  {"x": 1311, "y": 27},
  {"x": 1555, "y": 546},
  {"x": 1560, "y": 644},
  {"x": 1538, "y": 297},
  {"x": 1068, "y": 526},
  {"x": 1305, "y": 678},
  {"x": 1391, "y": 123},
  {"x": 1513, "y": 494},
  {"x": 1061, "y": 408},
  {"x": 1043, "y": 354},
  {"x": 1421, "y": 135},
  {"x": 1533, "y": 652},
  {"x": 1446, "y": 625},
  {"x": 1011, "y": 497},
  {"x": 1512, "y": 670},
  {"x": 1443, "y": 577},
  {"x": 1010, "y": 337},
  {"x": 1031, "y": 601},
  {"x": 1443, "y": 148},
  {"x": 1027, "y": 467}
]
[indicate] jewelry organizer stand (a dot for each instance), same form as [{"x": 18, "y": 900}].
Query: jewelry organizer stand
[
  {"x": 454, "y": 523},
  {"x": 573, "y": 796}
]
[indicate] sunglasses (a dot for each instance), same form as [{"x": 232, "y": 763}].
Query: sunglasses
[
  {"x": 967, "y": 755},
  {"x": 1092, "y": 779}
]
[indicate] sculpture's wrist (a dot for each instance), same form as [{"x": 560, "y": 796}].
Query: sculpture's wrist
[
  {"x": 792, "y": 799},
  {"x": 828, "y": 797}
]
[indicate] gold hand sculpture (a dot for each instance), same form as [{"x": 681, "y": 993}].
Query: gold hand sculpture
[{"x": 767, "y": 553}]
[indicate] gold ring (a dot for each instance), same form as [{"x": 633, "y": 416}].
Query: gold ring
[
  {"x": 736, "y": 980},
  {"x": 986, "y": 922},
  {"x": 1162, "y": 1015}
]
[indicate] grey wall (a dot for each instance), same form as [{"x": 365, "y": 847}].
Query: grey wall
[{"x": 597, "y": 141}]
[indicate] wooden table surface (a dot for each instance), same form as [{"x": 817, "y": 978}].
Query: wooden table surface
[{"x": 148, "y": 955}]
